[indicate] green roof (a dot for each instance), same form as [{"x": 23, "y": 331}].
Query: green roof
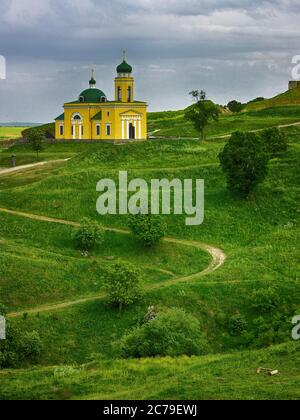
[
  {"x": 98, "y": 116},
  {"x": 60, "y": 118},
  {"x": 124, "y": 68},
  {"x": 92, "y": 96}
]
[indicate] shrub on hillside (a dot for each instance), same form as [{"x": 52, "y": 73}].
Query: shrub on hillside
[
  {"x": 122, "y": 284},
  {"x": 265, "y": 300},
  {"x": 235, "y": 106},
  {"x": 275, "y": 141},
  {"x": 3, "y": 310},
  {"x": 88, "y": 235},
  {"x": 19, "y": 347},
  {"x": 244, "y": 161},
  {"x": 149, "y": 229},
  {"x": 172, "y": 333},
  {"x": 35, "y": 139},
  {"x": 237, "y": 325}
]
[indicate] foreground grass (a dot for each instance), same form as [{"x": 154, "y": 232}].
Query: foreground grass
[{"x": 231, "y": 377}]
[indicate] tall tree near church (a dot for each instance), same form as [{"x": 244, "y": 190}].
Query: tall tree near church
[
  {"x": 36, "y": 138},
  {"x": 202, "y": 112}
]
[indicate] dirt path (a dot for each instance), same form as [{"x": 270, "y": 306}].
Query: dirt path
[
  {"x": 217, "y": 255},
  {"x": 31, "y": 165}
]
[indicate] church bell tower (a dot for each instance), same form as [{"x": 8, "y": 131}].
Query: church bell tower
[{"x": 124, "y": 82}]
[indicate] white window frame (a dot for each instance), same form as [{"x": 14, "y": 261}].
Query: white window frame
[
  {"x": 98, "y": 130},
  {"x": 108, "y": 129},
  {"x": 61, "y": 129}
]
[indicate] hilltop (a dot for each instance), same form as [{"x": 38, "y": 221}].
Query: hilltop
[{"x": 289, "y": 98}]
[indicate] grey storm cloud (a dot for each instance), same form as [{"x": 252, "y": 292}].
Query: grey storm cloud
[{"x": 174, "y": 45}]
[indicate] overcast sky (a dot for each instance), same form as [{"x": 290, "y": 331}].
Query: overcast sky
[{"x": 234, "y": 49}]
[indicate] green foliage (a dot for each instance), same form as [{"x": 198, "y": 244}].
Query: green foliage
[
  {"x": 237, "y": 325},
  {"x": 201, "y": 113},
  {"x": 123, "y": 284},
  {"x": 265, "y": 300},
  {"x": 48, "y": 131},
  {"x": 171, "y": 333},
  {"x": 148, "y": 228},
  {"x": 275, "y": 141},
  {"x": 244, "y": 162},
  {"x": 235, "y": 106},
  {"x": 36, "y": 138},
  {"x": 3, "y": 310},
  {"x": 19, "y": 347},
  {"x": 89, "y": 235}
]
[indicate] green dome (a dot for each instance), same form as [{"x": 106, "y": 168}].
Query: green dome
[
  {"x": 92, "y": 95},
  {"x": 124, "y": 68},
  {"x": 92, "y": 81}
]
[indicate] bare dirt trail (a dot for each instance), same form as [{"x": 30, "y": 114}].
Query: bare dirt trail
[
  {"x": 217, "y": 255},
  {"x": 30, "y": 166}
]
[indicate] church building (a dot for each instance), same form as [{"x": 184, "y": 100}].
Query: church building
[{"x": 93, "y": 117}]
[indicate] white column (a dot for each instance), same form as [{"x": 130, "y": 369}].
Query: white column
[
  {"x": 140, "y": 129},
  {"x": 135, "y": 130},
  {"x": 73, "y": 131},
  {"x": 127, "y": 130},
  {"x": 80, "y": 131},
  {"x": 123, "y": 129}
]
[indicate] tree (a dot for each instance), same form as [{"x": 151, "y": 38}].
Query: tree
[
  {"x": 244, "y": 161},
  {"x": 202, "y": 112},
  {"x": 235, "y": 106},
  {"x": 275, "y": 141},
  {"x": 148, "y": 228},
  {"x": 171, "y": 333},
  {"x": 36, "y": 138},
  {"x": 123, "y": 284},
  {"x": 88, "y": 235}
]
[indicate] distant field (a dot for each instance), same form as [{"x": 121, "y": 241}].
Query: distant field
[{"x": 7, "y": 133}]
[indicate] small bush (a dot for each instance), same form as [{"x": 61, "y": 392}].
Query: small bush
[
  {"x": 149, "y": 229},
  {"x": 89, "y": 235},
  {"x": 265, "y": 300},
  {"x": 244, "y": 161},
  {"x": 275, "y": 141},
  {"x": 19, "y": 347},
  {"x": 123, "y": 284},
  {"x": 172, "y": 333},
  {"x": 3, "y": 310},
  {"x": 237, "y": 325}
]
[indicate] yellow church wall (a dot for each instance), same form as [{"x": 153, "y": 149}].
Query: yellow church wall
[{"x": 125, "y": 117}]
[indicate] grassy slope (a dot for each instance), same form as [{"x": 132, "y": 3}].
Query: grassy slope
[
  {"x": 260, "y": 236},
  {"x": 289, "y": 98},
  {"x": 220, "y": 376},
  {"x": 173, "y": 123}
]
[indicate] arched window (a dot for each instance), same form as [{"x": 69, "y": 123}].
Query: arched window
[
  {"x": 77, "y": 117},
  {"x": 129, "y": 94},
  {"x": 119, "y": 94}
]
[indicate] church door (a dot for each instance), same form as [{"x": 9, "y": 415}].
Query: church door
[{"x": 131, "y": 131}]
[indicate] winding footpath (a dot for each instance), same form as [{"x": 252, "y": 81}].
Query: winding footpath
[
  {"x": 217, "y": 255},
  {"x": 30, "y": 166}
]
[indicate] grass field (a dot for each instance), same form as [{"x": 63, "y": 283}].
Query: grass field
[
  {"x": 7, "y": 133},
  {"x": 40, "y": 266},
  {"x": 173, "y": 123}
]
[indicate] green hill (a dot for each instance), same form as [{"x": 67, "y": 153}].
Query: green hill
[
  {"x": 42, "y": 271},
  {"x": 289, "y": 98}
]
